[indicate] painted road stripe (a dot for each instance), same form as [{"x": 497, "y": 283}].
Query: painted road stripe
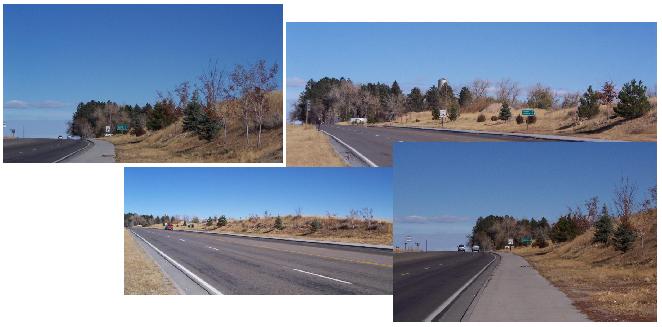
[
  {"x": 457, "y": 293},
  {"x": 182, "y": 240},
  {"x": 322, "y": 276},
  {"x": 211, "y": 289},
  {"x": 357, "y": 153}
]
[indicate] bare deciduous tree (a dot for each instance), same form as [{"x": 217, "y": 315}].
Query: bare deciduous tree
[
  {"x": 624, "y": 199},
  {"x": 592, "y": 209},
  {"x": 508, "y": 91},
  {"x": 183, "y": 92},
  {"x": 479, "y": 88},
  {"x": 214, "y": 91}
]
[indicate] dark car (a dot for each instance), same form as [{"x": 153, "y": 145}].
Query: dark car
[{"x": 460, "y": 248}]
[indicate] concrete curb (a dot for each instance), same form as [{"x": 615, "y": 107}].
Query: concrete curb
[
  {"x": 210, "y": 289},
  {"x": 357, "y": 245},
  {"x": 354, "y": 151},
  {"x": 522, "y": 135},
  {"x": 457, "y": 293},
  {"x": 75, "y": 152}
]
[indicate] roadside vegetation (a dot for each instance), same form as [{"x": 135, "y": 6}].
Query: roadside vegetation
[
  {"x": 359, "y": 226},
  {"x": 604, "y": 261},
  {"x": 307, "y": 147},
  {"x": 628, "y": 113},
  {"x": 234, "y": 116},
  {"x": 141, "y": 274}
]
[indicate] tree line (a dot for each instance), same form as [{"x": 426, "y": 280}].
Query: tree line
[
  {"x": 330, "y": 100},
  {"x": 618, "y": 230},
  {"x": 204, "y": 108}
]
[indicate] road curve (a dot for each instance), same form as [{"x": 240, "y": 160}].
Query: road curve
[
  {"x": 375, "y": 143},
  {"x": 39, "y": 150},
  {"x": 239, "y": 265},
  {"x": 422, "y": 282}
]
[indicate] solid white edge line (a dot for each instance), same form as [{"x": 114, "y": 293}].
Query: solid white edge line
[
  {"x": 322, "y": 276},
  {"x": 357, "y": 153},
  {"x": 75, "y": 152},
  {"x": 457, "y": 293},
  {"x": 194, "y": 277}
]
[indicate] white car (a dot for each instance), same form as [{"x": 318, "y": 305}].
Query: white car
[
  {"x": 460, "y": 248},
  {"x": 475, "y": 248}
]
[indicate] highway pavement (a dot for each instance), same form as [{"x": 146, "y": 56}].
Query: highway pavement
[
  {"x": 240, "y": 265},
  {"x": 423, "y": 282},
  {"x": 36, "y": 150},
  {"x": 375, "y": 143}
]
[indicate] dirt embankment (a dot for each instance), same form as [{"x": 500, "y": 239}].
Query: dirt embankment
[
  {"x": 374, "y": 231},
  {"x": 605, "y": 125},
  {"x": 604, "y": 283}
]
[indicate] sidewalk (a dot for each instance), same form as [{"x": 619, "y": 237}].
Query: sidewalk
[{"x": 517, "y": 292}]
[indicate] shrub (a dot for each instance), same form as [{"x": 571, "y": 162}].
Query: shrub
[
  {"x": 633, "y": 101},
  {"x": 589, "y": 104},
  {"x": 222, "y": 221},
  {"x": 454, "y": 112},
  {"x": 279, "y": 223},
  {"x": 603, "y": 227},
  {"x": 531, "y": 119},
  {"x": 540, "y": 97},
  {"x": 624, "y": 236},
  {"x": 494, "y": 118},
  {"x": 315, "y": 225},
  {"x": 504, "y": 113},
  {"x": 481, "y": 118},
  {"x": 209, "y": 221},
  {"x": 519, "y": 119}
]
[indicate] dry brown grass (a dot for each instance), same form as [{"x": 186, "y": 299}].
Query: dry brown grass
[
  {"x": 172, "y": 144},
  {"x": 141, "y": 275},
  {"x": 309, "y": 148},
  {"x": 331, "y": 229},
  {"x": 604, "y": 283},
  {"x": 557, "y": 121}
]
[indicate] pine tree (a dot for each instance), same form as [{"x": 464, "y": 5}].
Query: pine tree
[
  {"x": 608, "y": 92},
  {"x": 633, "y": 101},
  {"x": 624, "y": 236},
  {"x": 589, "y": 104},
  {"x": 415, "y": 100},
  {"x": 208, "y": 126},
  {"x": 432, "y": 99},
  {"x": 222, "y": 221},
  {"x": 504, "y": 113},
  {"x": 454, "y": 112},
  {"x": 279, "y": 223},
  {"x": 395, "y": 88},
  {"x": 603, "y": 227},
  {"x": 465, "y": 97},
  {"x": 193, "y": 114}
]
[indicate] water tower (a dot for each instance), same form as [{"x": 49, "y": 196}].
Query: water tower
[{"x": 441, "y": 82}]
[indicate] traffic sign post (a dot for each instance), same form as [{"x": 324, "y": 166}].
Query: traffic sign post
[
  {"x": 442, "y": 115},
  {"x": 528, "y": 113},
  {"x": 122, "y": 127}
]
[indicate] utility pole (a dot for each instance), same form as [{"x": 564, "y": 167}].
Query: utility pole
[
  {"x": 307, "y": 110},
  {"x": 426, "y": 245}
]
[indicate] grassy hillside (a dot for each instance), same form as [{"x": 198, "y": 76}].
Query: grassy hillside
[
  {"x": 308, "y": 147},
  {"x": 604, "y": 283},
  {"x": 141, "y": 274},
  {"x": 552, "y": 121},
  {"x": 329, "y": 229}
]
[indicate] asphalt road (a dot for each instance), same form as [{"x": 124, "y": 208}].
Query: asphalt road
[
  {"x": 239, "y": 265},
  {"x": 376, "y": 142},
  {"x": 423, "y": 281},
  {"x": 39, "y": 150}
]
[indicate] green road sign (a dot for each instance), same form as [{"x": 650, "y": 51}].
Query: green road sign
[
  {"x": 528, "y": 112},
  {"x": 122, "y": 127}
]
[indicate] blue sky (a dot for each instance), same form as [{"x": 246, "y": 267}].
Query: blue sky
[
  {"x": 56, "y": 56},
  {"x": 441, "y": 188},
  {"x": 238, "y": 192},
  {"x": 564, "y": 56}
]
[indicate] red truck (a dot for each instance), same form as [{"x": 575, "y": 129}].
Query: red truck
[{"x": 169, "y": 227}]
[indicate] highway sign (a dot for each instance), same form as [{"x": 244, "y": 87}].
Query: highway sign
[
  {"x": 528, "y": 112},
  {"x": 511, "y": 241},
  {"x": 122, "y": 127},
  {"x": 107, "y": 129},
  {"x": 442, "y": 113}
]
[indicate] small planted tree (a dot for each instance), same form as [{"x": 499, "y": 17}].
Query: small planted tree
[
  {"x": 633, "y": 101},
  {"x": 193, "y": 114},
  {"x": 608, "y": 92},
  {"x": 279, "y": 223},
  {"x": 504, "y": 113},
  {"x": 222, "y": 221},
  {"x": 603, "y": 227},
  {"x": 519, "y": 119},
  {"x": 454, "y": 112},
  {"x": 589, "y": 104},
  {"x": 210, "y": 221},
  {"x": 624, "y": 236},
  {"x": 481, "y": 118},
  {"x": 315, "y": 225}
]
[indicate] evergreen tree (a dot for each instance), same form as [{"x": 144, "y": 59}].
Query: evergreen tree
[
  {"x": 564, "y": 230},
  {"x": 395, "y": 88},
  {"x": 624, "y": 236},
  {"x": 633, "y": 101},
  {"x": 415, "y": 100},
  {"x": 222, "y": 221},
  {"x": 279, "y": 223},
  {"x": 193, "y": 114},
  {"x": 208, "y": 126},
  {"x": 504, "y": 113},
  {"x": 465, "y": 97},
  {"x": 608, "y": 92},
  {"x": 432, "y": 100},
  {"x": 454, "y": 111},
  {"x": 603, "y": 227},
  {"x": 589, "y": 104},
  {"x": 210, "y": 221},
  {"x": 541, "y": 241}
]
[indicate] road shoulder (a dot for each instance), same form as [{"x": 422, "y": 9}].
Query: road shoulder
[{"x": 99, "y": 152}]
